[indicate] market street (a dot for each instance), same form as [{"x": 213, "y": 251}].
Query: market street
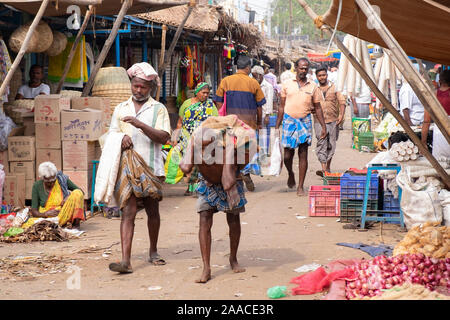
[{"x": 274, "y": 242}]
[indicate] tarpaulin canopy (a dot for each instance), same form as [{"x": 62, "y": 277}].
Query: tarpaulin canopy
[
  {"x": 102, "y": 7},
  {"x": 422, "y": 29}
]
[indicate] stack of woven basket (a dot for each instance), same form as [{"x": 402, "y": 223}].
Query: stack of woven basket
[{"x": 112, "y": 83}]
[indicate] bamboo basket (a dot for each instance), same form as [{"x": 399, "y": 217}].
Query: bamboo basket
[
  {"x": 70, "y": 93},
  {"x": 58, "y": 45},
  {"x": 16, "y": 82},
  {"x": 40, "y": 41},
  {"x": 111, "y": 78}
]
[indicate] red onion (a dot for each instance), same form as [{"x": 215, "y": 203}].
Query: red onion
[
  {"x": 420, "y": 266},
  {"x": 427, "y": 262},
  {"x": 403, "y": 267}
]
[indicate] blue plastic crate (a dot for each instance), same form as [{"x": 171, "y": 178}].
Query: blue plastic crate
[
  {"x": 272, "y": 121},
  {"x": 353, "y": 187},
  {"x": 390, "y": 203}
]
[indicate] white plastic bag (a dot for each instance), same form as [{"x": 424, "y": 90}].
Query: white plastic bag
[
  {"x": 420, "y": 201},
  {"x": 444, "y": 196},
  {"x": 275, "y": 158}
]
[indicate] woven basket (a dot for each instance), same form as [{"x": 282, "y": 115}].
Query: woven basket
[
  {"x": 40, "y": 41},
  {"x": 14, "y": 85},
  {"x": 119, "y": 92},
  {"x": 58, "y": 45},
  {"x": 111, "y": 78},
  {"x": 70, "y": 93}
]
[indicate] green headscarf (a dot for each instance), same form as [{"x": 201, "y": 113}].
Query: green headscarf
[{"x": 200, "y": 86}]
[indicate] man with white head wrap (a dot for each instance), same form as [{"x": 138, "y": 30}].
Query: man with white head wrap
[
  {"x": 267, "y": 108},
  {"x": 146, "y": 125}
]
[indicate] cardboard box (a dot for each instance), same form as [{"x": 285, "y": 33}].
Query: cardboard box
[
  {"x": 52, "y": 155},
  {"x": 78, "y": 155},
  {"x": 27, "y": 167},
  {"x": 14, "y": 189},
  {"x": 4, "y": 160},
  {"x": 83, "y": 179},
  {"x": 30, "y": 126},
  {"x": 48, "y": 136},
  {"x": 86, "y": 124},
  {"x": 29, "y": 188},
  {"x": 98, "y": 103},
  {"x": 47, "y": 108},
  {"x": 21, "y": 148}
]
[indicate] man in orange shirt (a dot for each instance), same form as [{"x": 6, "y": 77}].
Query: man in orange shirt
[{"x": 299, "y": 98}]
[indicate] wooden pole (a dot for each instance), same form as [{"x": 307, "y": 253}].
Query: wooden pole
[
  {"x": 73, "y": 50},
  {"x": 23, "y": 48},
  {"x": 162, "y": 67},
  {"x": 386, "y": 103},
  {"x": 425, "y": 94},
  {"x": 161, "y": 58},
  {"x": 108, "y": 43}
]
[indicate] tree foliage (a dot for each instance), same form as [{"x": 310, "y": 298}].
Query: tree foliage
[{"x": 301, "y": 22}]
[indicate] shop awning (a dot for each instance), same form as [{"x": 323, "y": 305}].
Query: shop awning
[
  {"x": 105, "y": 7},
  {"x": 421, "y": 28}
]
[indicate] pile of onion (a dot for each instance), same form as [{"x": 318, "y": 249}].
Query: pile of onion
[{"x": 382, "y": 272}]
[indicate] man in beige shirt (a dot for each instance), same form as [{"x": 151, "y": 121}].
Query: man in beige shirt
[
  {"x": 299, "y": 98},
  {"x": 333, "y": 111}
]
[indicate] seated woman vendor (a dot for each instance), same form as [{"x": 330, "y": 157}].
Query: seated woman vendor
[{"x": 55, "y": 195}]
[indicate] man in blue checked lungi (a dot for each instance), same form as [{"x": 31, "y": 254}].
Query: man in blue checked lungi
[{"x": 299, "y": 98}]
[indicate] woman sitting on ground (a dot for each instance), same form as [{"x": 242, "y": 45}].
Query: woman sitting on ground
[
  {"x": 55, "y": 195},
  {"x": 192, "y": 113}
]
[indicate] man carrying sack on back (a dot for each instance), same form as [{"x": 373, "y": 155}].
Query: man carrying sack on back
[{"x": 143, "y": 125}]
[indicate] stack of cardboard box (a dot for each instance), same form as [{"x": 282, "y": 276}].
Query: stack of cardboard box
[
  {"x": 21, "y": 157},
  {"x": 47, "y": 117},
  {"x": 80, "y": 129}
]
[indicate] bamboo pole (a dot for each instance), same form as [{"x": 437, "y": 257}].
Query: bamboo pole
[
  {"x": 386, "y": 103},
  {"x": 108, "y": 43},
  {"x": 161, "y": 58},
  {"x": 23, "y": 48},
  {"x": 425, "y": 94},
  {"x": 73, "y": 49},
  {"x": 162, "y": 67}
]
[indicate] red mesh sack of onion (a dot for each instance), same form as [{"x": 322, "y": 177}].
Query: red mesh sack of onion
[{"x": 386, "y": 272}]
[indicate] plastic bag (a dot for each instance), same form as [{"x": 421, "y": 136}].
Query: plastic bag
[
  {"x": 254, "y": 166},
  {"x": 13, "y": 232},
  {"x": 275, "y": 158},
  {"x": 172, "y": 166},
  {"x": 420, "y": 201},
  {"x": 444, "y": 196},
  {"x": 276, "y": 292},
  {"x": 6, "y": 125}
]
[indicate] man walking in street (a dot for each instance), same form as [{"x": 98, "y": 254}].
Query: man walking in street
[
  {"x": 244, "y": 98},
  {"x": 287, "y": 74},
  {"x": 146, "y": 125},
  {"x": 267, "y": 108},
  {"x": 299, "y": 98},
  {"x": 333, "y": 111}
]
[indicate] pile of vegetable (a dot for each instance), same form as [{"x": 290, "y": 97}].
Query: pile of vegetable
[
  {"x": 386, "y": 272},
  {"x": 408, "y": 291},
  {"x": 430, "y": 239}
]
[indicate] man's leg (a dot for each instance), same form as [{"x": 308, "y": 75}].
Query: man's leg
[
  {"x": 302, "y": 167},
  {"x": 126, "y": 236},
  {"x": 321, "y": 148},
  {"x": 153, "y": 225},
  {"x": 204, "y": 237},
  {"x": 288, "y": 159},
  {"x": 234, "y": 223},
  {"x": 333, "y": 135}
]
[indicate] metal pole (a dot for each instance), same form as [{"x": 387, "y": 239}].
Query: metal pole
[{"x": 117, "y": 44}]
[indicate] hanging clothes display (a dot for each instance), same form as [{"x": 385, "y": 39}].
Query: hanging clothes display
[
  {"x": 5, "y": 66},
  {"x": 77, "y": 74},
  {"x": 190, "y": 68}
]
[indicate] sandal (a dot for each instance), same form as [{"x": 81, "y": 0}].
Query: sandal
[
  {"x": 319, "y": 173},
  {"x": 157, "y": 260},
  {"x": 120, "y": 267}
]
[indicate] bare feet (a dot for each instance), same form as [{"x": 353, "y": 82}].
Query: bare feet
[
  {"x": 235, "y": 267},
  {"x": 205, "y": 277},
  {"x": 300, "y": 192},
  {"x": 291, "y": 181}
]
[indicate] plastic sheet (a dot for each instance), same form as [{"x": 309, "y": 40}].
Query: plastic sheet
[{"x": 6, "y": 125}]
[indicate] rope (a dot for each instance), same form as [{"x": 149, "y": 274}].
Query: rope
[{"x": 335, "y": 26}]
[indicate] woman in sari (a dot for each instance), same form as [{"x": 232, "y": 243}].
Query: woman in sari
[
  {"x": 192, "y": 113},
  {"x": 55, "y": 195}
]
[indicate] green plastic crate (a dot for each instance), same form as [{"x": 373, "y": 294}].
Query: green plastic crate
[{"x": 351, "y": 209}]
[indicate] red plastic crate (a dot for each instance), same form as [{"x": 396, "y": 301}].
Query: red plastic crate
[{"x": 325, "y": 201}]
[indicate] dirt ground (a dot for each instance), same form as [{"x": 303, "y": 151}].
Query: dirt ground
[{"x": 274, "y": 243}]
